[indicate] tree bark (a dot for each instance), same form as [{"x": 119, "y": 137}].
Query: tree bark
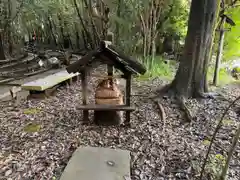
[
  {"x": 190, "y": 79},
  {"x": 119, "y": 7},
  {"x": 219, "y": 51},
  {"x": 85, "y": 31},
  {"x": 2, "y": 55},
  {"x": 10, "y": 45},
  {"x": 51, "y": 30},
  {"x": 77, "y": 36}
]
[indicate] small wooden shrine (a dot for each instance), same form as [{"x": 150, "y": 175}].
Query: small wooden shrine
[{"x": 106, "y": 53}]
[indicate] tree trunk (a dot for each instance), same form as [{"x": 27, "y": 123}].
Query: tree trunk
[
  {"x": 119, "y": 7},
  {"x": 85, "y": 31},
  {"x": 219, "y": 51},
  {"x": 61, "y": 27},
  {"x": 2, "y": 55},
  {"x": 77, "y": 36},
  {"x": 9, "y": 24},
  {"x": 51, "y": 30},
  {"x": 190, "y": 79}
]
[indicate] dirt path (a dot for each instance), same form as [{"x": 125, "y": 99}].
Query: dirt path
[{"x": 160, "y": 149}]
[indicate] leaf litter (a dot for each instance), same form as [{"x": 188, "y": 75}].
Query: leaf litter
[{"x": 159, "y": 150}]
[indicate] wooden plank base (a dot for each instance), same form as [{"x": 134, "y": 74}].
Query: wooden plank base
[
  {"x": 96, "y": 107},
  {"x": 107, "y": 114}
]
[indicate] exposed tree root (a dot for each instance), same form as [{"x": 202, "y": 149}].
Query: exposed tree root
[
  {"x": 168, "y": 89},
  {"x": 188, "y": 114},
  {"x": 161, "y": 109},
  {"x": 162, "y": 113},
  {"x": 208, "y": 95}
]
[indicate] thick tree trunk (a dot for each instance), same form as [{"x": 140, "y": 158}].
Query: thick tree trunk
[{"x": 190, "y": 79}]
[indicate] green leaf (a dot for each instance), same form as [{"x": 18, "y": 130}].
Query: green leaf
[
  {"x": 227, "y": 122},
  {"x": 32, "y": 127},
  {"x": 31, "y": 111},
  {"x": 206, "y": 142}
]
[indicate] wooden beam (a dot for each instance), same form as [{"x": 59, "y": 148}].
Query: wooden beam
[
  {"x": 106, "y": 76},
  {"x": 109, "y": 59},
  {"x": 110, "y": 73},
  {"x": 80, "y": 64},
  {"x": 103, "y": 107},
  {"x": 134, "y": 64},
  {"x": 127, "y": 98},
  {"x": 84, "y": 94}
]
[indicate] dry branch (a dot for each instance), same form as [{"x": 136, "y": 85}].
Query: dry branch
[
  {"x": 219, "y": 125},
  {"x": 230, "y": 154}
]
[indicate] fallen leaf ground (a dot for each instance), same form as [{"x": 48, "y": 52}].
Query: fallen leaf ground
[{"x": 160, "y": 149}]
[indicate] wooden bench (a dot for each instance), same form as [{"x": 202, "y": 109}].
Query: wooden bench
[{"x": 48, "y": 84}]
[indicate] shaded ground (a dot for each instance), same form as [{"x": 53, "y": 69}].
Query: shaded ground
[{"x": 160, "y": 149}]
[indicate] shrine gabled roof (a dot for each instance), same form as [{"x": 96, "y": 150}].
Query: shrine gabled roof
[{"x": 107, "y": 53}]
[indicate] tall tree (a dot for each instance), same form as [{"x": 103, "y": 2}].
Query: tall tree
[{"x": 191, "y": 77}]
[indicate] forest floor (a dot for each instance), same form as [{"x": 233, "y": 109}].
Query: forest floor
[{"x": 160, "y": 149}]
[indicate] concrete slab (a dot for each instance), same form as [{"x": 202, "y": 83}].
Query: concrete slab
[
  {"x": 5, "y": 94},
  {"x": 95, "y": 163},
  {"x": 5, "y": 90},
  {"x": 49, "y": 81},
  {"x": 18, "y": 93}
]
